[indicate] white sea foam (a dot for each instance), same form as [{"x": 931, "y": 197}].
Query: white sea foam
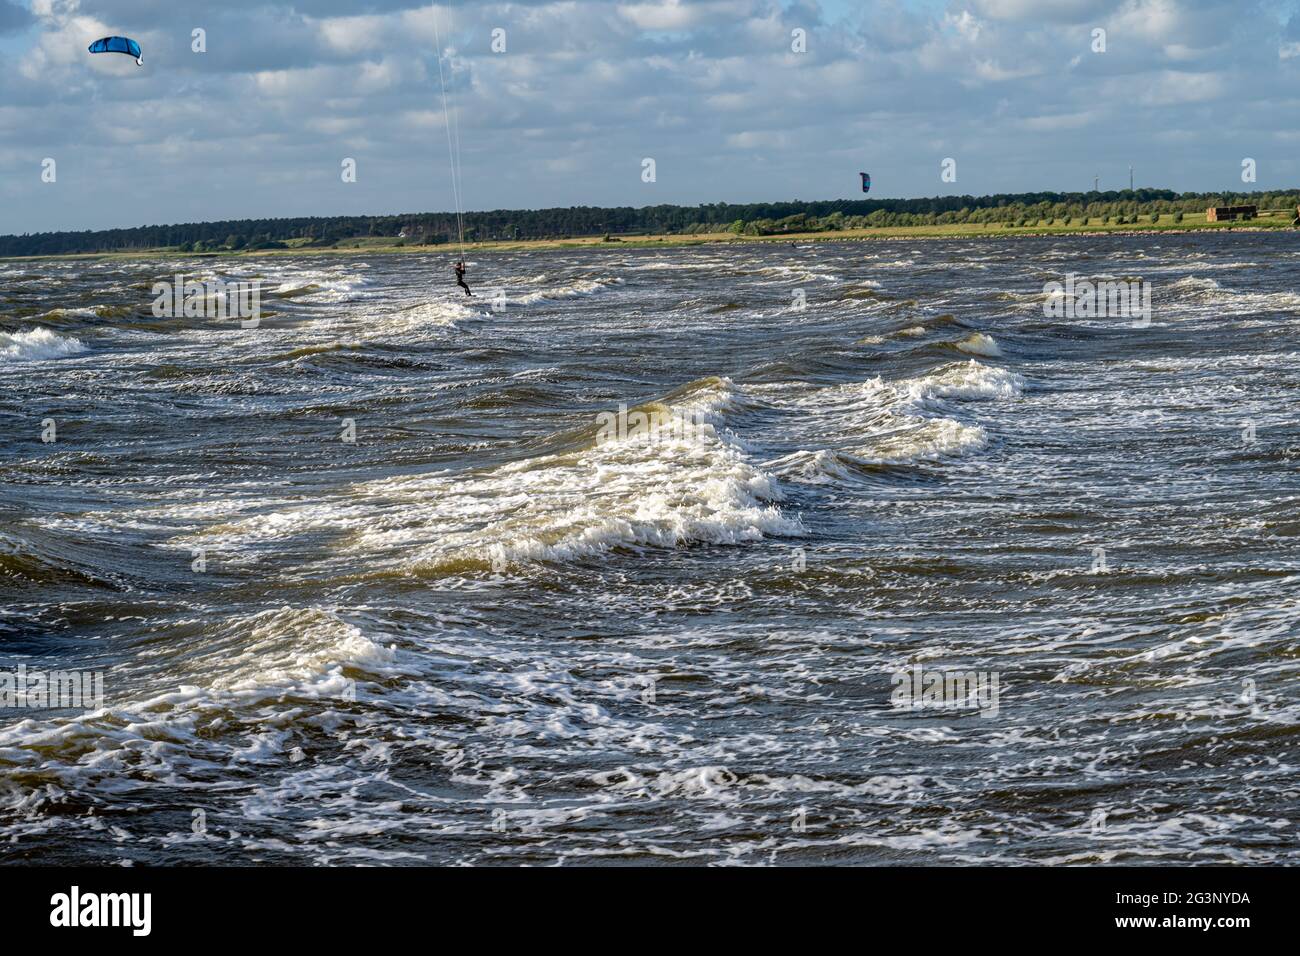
[
  {"x": 438, "y": 312},
  {"x": 285, "y": 647},
  {"x": 577, "y": 289},
  {"x": 78, "y": 313},
  {"x": 1195, "y": 284},
  {"x": 668, "y": 265},
  {"x": 1267, "y": 301},
  {"x": 977, "y": 343},
  {"x": 924, "y": 439},
  {"x": 267, "y": 667},
  {"x": 669, "y": 487},
  {"x": 819, "y": 467},
  {"x": 799, "y": 274},
  {"x": 970, "y": 381},
  {"x": 37, "y": 344},
  {"x": 900, "y": 422},
  {"x": 642, "y": 490},
  {"x": 322, "y": 285}
]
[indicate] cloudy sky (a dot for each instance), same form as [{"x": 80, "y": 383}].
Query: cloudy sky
[{"x": 712, "y": 90}]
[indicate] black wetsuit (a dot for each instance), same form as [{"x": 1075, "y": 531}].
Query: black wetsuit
[{"x": 460, "y": 279}]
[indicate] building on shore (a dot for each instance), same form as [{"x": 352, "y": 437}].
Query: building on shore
[{"x": 1228, "y": 213}]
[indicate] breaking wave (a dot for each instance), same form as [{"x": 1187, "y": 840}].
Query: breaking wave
[
  {"x": 37, "y": 344},
  {"x": 669, "y": 476}
]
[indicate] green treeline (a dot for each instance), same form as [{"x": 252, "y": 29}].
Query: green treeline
[{"x": 1047, "y": 208}]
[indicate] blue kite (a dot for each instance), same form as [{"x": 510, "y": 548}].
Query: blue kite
[
  {"x": 119, "y": 45},
  {"x": 866, "y": 181}
]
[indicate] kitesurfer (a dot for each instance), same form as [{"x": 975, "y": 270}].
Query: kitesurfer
[{"x": 460, "y": 277}]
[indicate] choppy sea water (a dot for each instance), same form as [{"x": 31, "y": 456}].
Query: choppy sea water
[{"x": 488, "y": 632}]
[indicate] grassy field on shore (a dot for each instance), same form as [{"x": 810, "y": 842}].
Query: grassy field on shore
[{"x": 1166, "y": 224}]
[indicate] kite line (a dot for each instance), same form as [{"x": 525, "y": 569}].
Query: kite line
[{"x": 453, "y": 157}]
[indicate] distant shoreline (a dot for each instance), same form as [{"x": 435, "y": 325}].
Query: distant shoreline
[{"x": 872, "y": 234}]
